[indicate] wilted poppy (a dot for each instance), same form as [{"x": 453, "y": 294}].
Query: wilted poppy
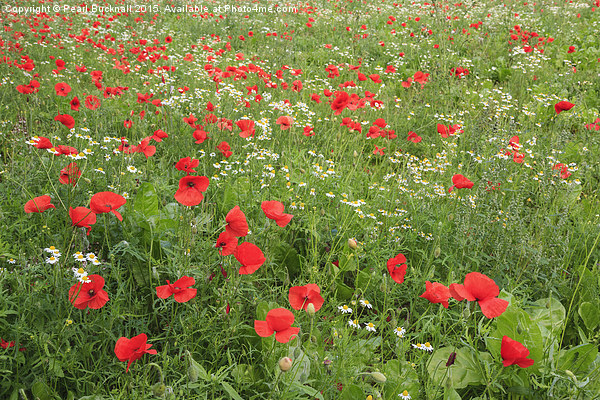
[
  {"x": 460, "y": 182},
  {"x": 191, "y": 188},
  {"x": 514, "y": 352},
  {"x": 397, "y": 267},
  {"x": 82, "y": 217},
  {"x": 180, "y": 289},
  {"x": 250, "y": 256},
  {"x": 92, "y": 102},
  {"x": 89, "y": 294},
  {"x": 236, "y": 222},
  {"x": 480, "y": 288},
  {"x": 301, "y": 296},
  {"x": 278, "y": 321},
  {"x": 274, "y": 210},
  {"x": 105, "y": 202},
  {"x": 436, "y": 293},
  {"x": 39, "y": 204},
  {"x": 132, "y": 349}
]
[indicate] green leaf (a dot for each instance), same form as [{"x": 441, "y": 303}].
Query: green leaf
[
  {"x": 578, "y": 359},
  {"x": 42, "y": 391},
  {"x": 312, "y": 392},
  {"x": 146, "y": 200},
  {"x": 400, "y": 376},
  {"x": 518, "y": 325},
  {"x": 352, "y": 392},
  {"x": 465, "y": 370},
  {"x": 590, "y": 315},
  {"x": 549, "y": 314},
  {"x": 231, "y": 391}
]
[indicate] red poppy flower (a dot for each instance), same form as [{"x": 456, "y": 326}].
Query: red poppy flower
[
  {"x": 224, "y": 148},
  {"x": 191, "y": 188},
  {"x": 285, "y": 122},
  {"x": 66, "y": 150},
  {"x": 296, "y": 86},
  {"x": 66, "y": 120},
  {"x": 379, "y": 151},
  {"x": 480, "y": 288},
  {"x": 5, "y": 345},
  {"x": 62, "y": 89},
  {"x": 105, "y": 202},
  {"x": 308, "y": 131},
  {"x": 247, "y": 127},
  {"x": 144, "y": 147},
  {"x": 413, "y": 137},
  {"x": 564, "y": 170},
  {"x": 200, "y": 136},
  {"x": 180, "y": 289},
  {"x": 571, "y": 49},
  {"x": 340, "y": 102},
  {"x": 92, "y": 102},
  {"x": 278, "y": 321},
  {"x": 236, "y": 222},
  {"x": 436, "y": 293},
  {"x": 250, "y": 256},
  {"x": 396, "y": 266},
  {"x": 375, "y": 78},
  {"x": 316, "y": 98},
  {"x": 460, "y": 182},
  {"x": 301, "y": 296},
  {"x": 187, "y": 164},
  {"x": 514, "y": 352},
  {"x": 89, "y": 294},
  {"x": 274, "y": 210},
  {"x": 132, "y": 349},
  {"x": 75, "y": 104},
  {"x": 39, "y": 204},
  {"x": 42, "y": 142},
  {"x": 563, "y": 106},
  {"x": 70, "y": 174},
  {"x": 128, "y": 123},
  {"x": 226, "y": 243},
  {"x": 159, "y": 135},
  {"x": 82, "y": 217}
]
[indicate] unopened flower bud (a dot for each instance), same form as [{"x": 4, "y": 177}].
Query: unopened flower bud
[
  {"x": 352, "y": 244},
  {"x": 378, "y": 377},
  {"x": 285, "y": 363},
  {"x": 437, "y": 252},
  {"x": 310, "y": 309},
  {"x": 355, "y": 153},
  {"x": 159, "y": 389}
]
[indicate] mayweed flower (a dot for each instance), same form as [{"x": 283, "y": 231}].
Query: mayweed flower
[
  {"x": 365, "y": 303},
  {"x": 400, "y": 331},
  {"x": 79, "y": 256},
  {"x": 51, "y": 260},
  {"x": 354, "y": 323},
  {"x": 370, "y": 327},
  {"x": 405, "y": 395},
  {"x": 427, "y": 346},
  {"x": 345, "y": 309}
]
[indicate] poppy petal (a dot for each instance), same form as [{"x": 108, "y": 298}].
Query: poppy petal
[
  {"x": 494, "y": 307},
  {"x": 262, "y": 328}
]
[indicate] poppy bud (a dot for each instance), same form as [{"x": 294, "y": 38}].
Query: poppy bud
[
  {"x": 159, "y": 389},
  {"x": 155, "y": 274},
  {"x": 310, "y": 309},
  {"x": 571, "y": 375},
  {"x": 322, "y": 212},
  {"x": 87, "y": 180},
  {"x": 285, "y": 363},
  {"x": 352, "y": 244},
  {"x": 378, "y": 377},
  {"x": 437, "y": 252},
  {"x": 450, "y": 217}
]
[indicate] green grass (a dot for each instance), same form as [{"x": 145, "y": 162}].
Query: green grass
[{"x": 532, "y": 231}]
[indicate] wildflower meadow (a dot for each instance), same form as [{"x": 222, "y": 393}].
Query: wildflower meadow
[{"x": 319, "y": 199}]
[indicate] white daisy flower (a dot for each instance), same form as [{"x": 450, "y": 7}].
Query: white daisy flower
[
  {"x": 400, "y": 331},
  {"x": 354, "y": 323},
  {"x": 365, "y": 303},
  {"x": 370, "y": 327},
  {"x": 51, "y": 260},
  {"x": 405, "y": 395},
  {"x": 345, "y": 309}
]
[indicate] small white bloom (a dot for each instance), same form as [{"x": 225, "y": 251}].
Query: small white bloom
[
  {"x": 370, "y": 327},
  {"x": 345, "y": 309},
  {"x": 51, "y": 260},
  {"x": 365, "y": 303},
  {"x": 354, "y": 323},
  {"x": 400, "y": 331},
  {"x": 405, "y": 395}
]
